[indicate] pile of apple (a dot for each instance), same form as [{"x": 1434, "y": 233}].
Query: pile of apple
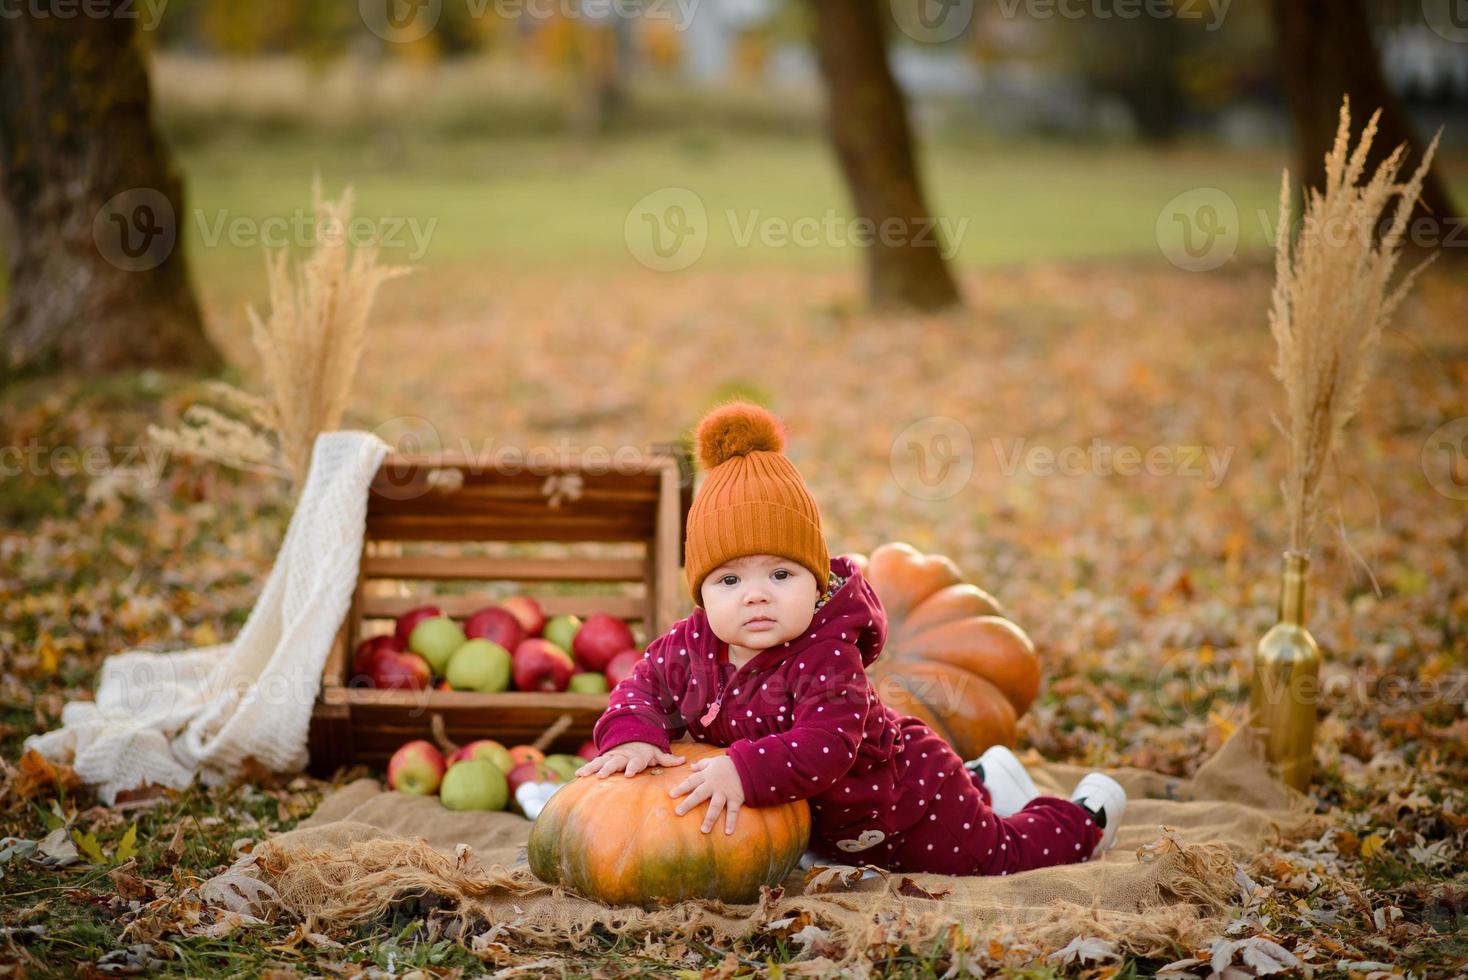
[
  {"x": 482, "y": 775},
  {"x": 511, "y": 646}
]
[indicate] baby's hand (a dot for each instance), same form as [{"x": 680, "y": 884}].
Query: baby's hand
[
  {"x": 714, "y": 779},
  {"x": 631, "y": 757}
]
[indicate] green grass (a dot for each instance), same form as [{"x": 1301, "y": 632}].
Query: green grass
[{"x": 548, "y": 204}]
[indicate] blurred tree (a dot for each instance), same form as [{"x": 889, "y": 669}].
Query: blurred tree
[
  {"x": 868, "y": 123},
  {"x": 1325, "y": 50},
  {"x": 98, "y": 278}
]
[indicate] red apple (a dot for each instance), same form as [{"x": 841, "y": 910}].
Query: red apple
[
  {"x": 416, "y": 767},
  {"x": 540, "y": 665},
  {"x": 496, "y": 625},
  {"x": 411, "y": 618},
  {"x": 527, "y": 772},
  {"x": 400, "y": 671},
  {"x": 599, "y": 639},
  {"x": 487, "y": 749},
  {"x": 521, "y": 754},
  {"x": 366, "y": 654},
  {"x": 622, "y": 665},
  {"x": 528, "y": 612},
  {"x": 588, "y": 749}
]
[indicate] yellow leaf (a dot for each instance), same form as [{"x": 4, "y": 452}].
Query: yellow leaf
[
  {"x": 127, "y": 847},
  {"x": 1371, "y": 845},
  {"x": 1225, "y": 725},
  {"x": 46, "y": 659},
  {"x": 87, "y": 844},
  {"x": 204, "y": 635}
]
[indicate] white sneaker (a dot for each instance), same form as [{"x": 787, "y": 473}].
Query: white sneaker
[
  {"x": 1010, "y": 786},
  {"x": 533, "y": 796},
  {"x": 1104, "y": 797}
]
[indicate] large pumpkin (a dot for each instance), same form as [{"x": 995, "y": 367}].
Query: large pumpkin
[
  {"x": 619, "y": 841},
  {"x": 952, "y": 658}
]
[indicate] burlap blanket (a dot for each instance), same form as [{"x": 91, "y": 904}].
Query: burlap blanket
[{"x": 1167, "y": 884}]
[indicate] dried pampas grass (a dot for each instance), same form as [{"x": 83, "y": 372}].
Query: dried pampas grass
[
  {"x": 1331, "y": 302},
  {"x": 309, "y": 346}
]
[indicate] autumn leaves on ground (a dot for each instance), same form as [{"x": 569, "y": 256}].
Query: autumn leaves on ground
[{"x": 991, "y": 435}]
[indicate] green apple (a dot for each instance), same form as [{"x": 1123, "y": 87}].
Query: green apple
[
  {"x": 561, "y": 631},
  {"x": 479, "y": 665},
  {"x": 435, "y": 639},
  {"x": 588, "y": 682},
  {"x": 564, "y": 765},
  {"x": 474, "y": 785}
]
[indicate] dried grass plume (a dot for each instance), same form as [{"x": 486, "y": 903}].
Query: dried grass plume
[
  {"x": 1331, "y": 302},
  {"x": 310, "y": 346}
]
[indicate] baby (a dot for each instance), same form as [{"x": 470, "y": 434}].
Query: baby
[{"x": 771, "y": 665}]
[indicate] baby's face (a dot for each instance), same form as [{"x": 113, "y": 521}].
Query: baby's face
[{"x": 758, "y": 601}]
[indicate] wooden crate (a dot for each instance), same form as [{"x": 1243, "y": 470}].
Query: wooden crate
[{"x": 457, "y": 503}]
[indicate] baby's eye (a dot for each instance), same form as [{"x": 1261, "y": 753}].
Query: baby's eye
[
  {"x": 781, "y": 574},
  {"x": 729, "y": 580}
]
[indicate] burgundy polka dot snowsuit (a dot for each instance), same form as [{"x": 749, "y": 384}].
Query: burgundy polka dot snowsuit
[{"x": 801, "y": 721}]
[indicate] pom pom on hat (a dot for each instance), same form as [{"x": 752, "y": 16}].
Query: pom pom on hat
[{"x": 737, "y": 429}]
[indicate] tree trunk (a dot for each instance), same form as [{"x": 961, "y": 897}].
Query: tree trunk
[
  {"x": 1326, "y": 52},
  {"x": 868, "y": 121},
  {"x": 98, "y": 278}
]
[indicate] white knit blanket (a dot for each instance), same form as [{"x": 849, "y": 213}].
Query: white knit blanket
[{"x": 166, "y": 717}]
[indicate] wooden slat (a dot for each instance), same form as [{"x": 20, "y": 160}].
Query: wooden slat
[
  {"x": 482, "y": 568},
  {"x": 388, "y": 607},
  {"x": 498, "y": 465},
  {"x": 526, "y": 525}
]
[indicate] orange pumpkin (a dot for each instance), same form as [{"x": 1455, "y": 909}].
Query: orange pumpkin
[
  {"x": 618, "y": 840},
  {"x": 952, "y": 657}
]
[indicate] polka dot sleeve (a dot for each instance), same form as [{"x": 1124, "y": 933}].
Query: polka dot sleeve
[{"x": 643, "y": 707}]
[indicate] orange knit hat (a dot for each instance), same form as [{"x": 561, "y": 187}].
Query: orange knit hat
[{"x": 753, "y": 501}]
